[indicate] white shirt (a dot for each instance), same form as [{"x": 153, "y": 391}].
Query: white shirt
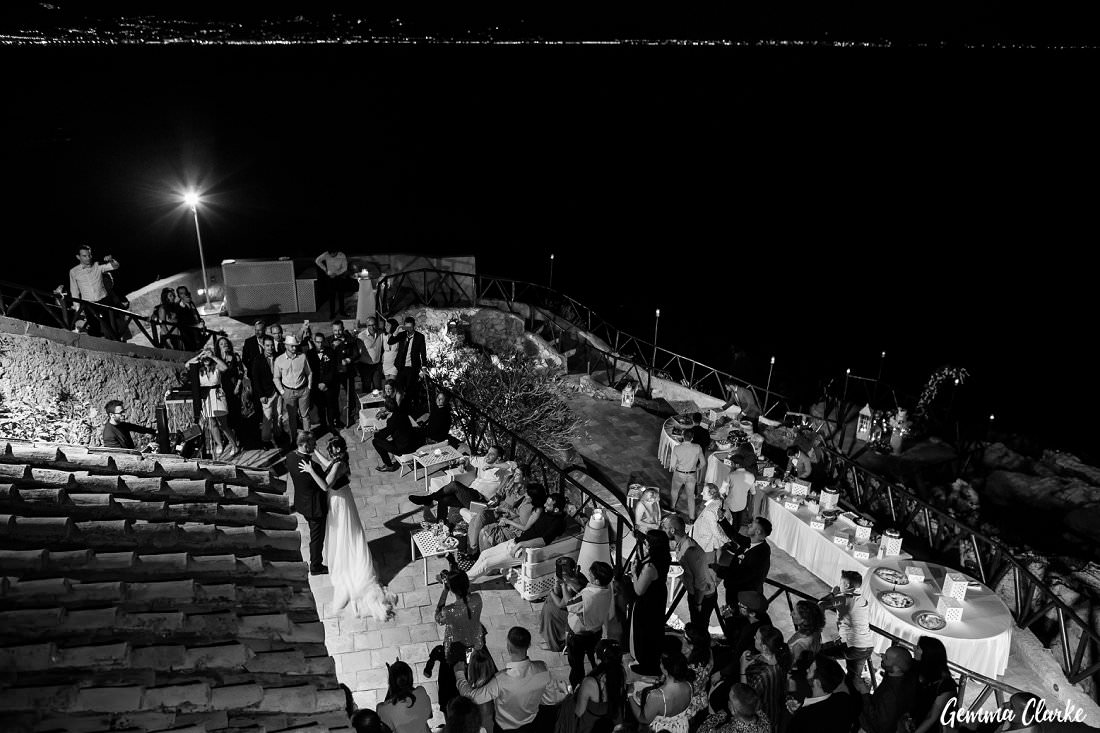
[
  {"x": 489, "y": 477},
  {"x": 86, "y": 283},
  {"x": 372, "y": 347},
  {"x": 687, "y": 457},
  {"x": 592, "y": 611},
  {"x": 740, "y": 481},
  {"x": 333, "y": 264},
  {"x": 516, "y": 692}
]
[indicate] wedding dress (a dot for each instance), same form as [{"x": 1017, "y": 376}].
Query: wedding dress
[{"x": 347, "y": 554}]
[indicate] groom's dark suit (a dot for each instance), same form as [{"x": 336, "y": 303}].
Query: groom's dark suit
[{"x": 309, "y": 501}]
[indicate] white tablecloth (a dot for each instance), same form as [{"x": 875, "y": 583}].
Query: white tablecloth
[
  {"x": 717, "y": 471},
  {"x": 982, "y": 641},
  {"x": 814, "y": 549},
  {"x": 666, "y": 443}
]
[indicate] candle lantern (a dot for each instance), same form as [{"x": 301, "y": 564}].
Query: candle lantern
[
  {"x": 829, "y": 499},
  {"x": 863, "y": 425}
]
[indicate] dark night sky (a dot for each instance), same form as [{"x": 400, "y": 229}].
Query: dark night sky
[{"x": 822, "y": 204}]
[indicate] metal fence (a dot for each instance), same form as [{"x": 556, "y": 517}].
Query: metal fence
[
  {"x": 61, "y": 311},
  {"x": 567, "y": 323}
]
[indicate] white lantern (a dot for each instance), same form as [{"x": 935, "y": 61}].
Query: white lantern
[
  {"x": 628, "y": 395},
  {"x": 954, "y": 586},
  {"x": 864, "y": 423},
  {"x": 829, "y": 499},
  {"x": 950, "y": 608}
]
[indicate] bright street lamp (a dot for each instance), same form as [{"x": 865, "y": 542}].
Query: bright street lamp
[{"x": 192, "y": 199}]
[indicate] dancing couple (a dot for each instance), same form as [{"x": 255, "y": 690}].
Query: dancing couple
[{"x": 337, "y": 544}]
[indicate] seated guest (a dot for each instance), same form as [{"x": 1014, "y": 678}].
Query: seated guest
[
  {"x": 740, "y": 713},
  {"x": 436, "y": 422},
  {"x": 589, "y": 610},
  {"x": 510, "y": 524},
  {"x": 895, "y": 695},
  {"x": 116, "y": 431},
  {"x": 548, "y": 528},
  {"x": 398, "y": 437},
  {"x": 554, "y": 621},
  {"x": 829, "y": 708},
  {"x": 517, "y": 691},
  {"x": 491, "y": 471},
  {"x": 647, "y": 512},
  {"x": 511, "y": 495}
]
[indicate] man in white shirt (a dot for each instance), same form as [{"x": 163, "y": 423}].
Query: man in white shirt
[
  {"x": 853, "y": 622},
  {"x": 87, "y": 282},
  {"x": 589, "y": 610},
  {"x": 739, "y": 485},
  {"x": 332, "y": 267},
  {"x": 370, "y": 356},
  {"x": 687, "y": 459},
  {"x": 491, "y": 472},
  {"x": 516, "y": 691}
]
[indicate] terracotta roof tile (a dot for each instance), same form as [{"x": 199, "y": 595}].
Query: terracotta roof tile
[{"x": 134, "y": 577}]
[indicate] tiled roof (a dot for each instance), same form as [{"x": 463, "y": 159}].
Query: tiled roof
[{"x": 145, "y": 593}]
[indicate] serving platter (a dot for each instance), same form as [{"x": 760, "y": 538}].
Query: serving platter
[
  {"x": 896, "y": 599},
  {"x": 929, "y": 620},
  {"x": 891, "y": 576}
]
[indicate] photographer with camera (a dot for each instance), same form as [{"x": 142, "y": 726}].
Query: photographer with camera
[{"x": 462, "y": 630}]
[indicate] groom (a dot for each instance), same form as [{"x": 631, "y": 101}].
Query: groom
[{"x": 309, "y": 499}]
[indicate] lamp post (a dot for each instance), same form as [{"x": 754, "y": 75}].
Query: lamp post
[
  {"x": 653, "y": 362},
  {"x": 192, "y": 199},
  {"x": 551, "y": 283},
  {"x": 881, "y": 364},
  {"x": 844, "y": 397}
]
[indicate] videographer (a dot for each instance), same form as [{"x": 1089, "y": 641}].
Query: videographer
[{"x": 116, "y": 432}]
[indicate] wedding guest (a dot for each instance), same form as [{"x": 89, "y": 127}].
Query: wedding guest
[
  {"x": 697, "y": 649},
  {"x": 740, "y": 630},
  {"x": 647, "y": 512},
  {"x": 480, "y": 670},
  {"x": 189, "y": 319},
  {"x": 294, "y": 382},
  {"x": 88, "y": 282},
  {"x": 648, "y": 590},
  {"x": 412, "y": 355},
  {"x": 461, "y": 622},
  {"x": 233, "y": 380},
  {"x": 253, "y": 345},
  {"x": 326, "y": 382},
  {"x": 697, "y": 578},
  {"x": 116, "y": 431},
  {"x": 550, "y": 526},
  {"x": 511, "y": 497},
  {"x": 895, "y": 695},
  {"x": 517, "y": 691},
  {"x": 589, "y": 610},
  {"x": 491, "y": 470},
  {"x": 165, "y": 319},
  {"x": 739, "y": 484},
  {"x": 436, "y": 422},
  {"x": 599, "y": 699},
  {"x": 853, "y": 623},
  {"x": 390, "y": 347},
  {"x": 707, "y": 531},
  {"x": 463, "y": 715},
  {"x": 215, "y": 406},
  {"x": 935, "y": 686},
  {"x": 687, "y": 460},
  {"x": 664, "y": 706},
  {"x": 804, "y": 643},
  {"x": 366, "y": 720},
  {"x": 369, "y": 361},
  {"x": 332, "y": 272},
  {"x": 345, "y": 353},
  {"x": 262, "y": 378},
  {"x": 828, "y": 707},
  {"x": 740, "y": 713},
  {"x": 753, "y": 559},
  {"x": 511, "y": 524},
  {"x": 766, "y": 672},
  {"x": 554, "y": 618},
  {"x": 406, "y": 709},
  {"x": 398, "y": 437}
]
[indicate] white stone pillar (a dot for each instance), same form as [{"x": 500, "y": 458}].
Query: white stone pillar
[{"x": 365, "y": 305}]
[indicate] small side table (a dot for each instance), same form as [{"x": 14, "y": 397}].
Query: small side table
[
  {"x": 428, "y": 545},
  {"x": 430, "y": 459}
]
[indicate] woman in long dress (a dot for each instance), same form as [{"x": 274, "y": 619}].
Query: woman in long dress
[
  {"x": 648, "y": 587},
  {"x": 346, "y": 552}
]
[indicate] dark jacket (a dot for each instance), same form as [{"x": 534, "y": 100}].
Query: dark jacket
[
  {"x": 309, "y": 498},
  {"x": 752, "y": 569},
  {"x": 263, "y": 381},
  {"x": 399, "y": 428},
  {"x": 323, "y": 365},
  {"x": 347, "y": 347},
  {"x": 251, "y": 349},
  {"x": 419, "y": 347},
  {"x": 883, "y": 708},
  {"x": 834, "y": 714},
  {"x": 118, "y": 436}
]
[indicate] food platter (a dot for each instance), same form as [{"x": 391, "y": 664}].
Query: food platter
[
  {"x": 896, "y": 599},
  {"x": 891, "y": 576},
  {"x": 929, "y": 620}
]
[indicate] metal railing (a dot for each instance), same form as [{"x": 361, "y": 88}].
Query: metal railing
[
  {"x": 935, "y": 534},
  {"x": 566, "y": 321},
  {"x": 61, "y": 311},
  {"x": 481, "y": 430}
]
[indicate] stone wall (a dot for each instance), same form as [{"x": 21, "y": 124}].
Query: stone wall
[{"x": 39, "y": 368}]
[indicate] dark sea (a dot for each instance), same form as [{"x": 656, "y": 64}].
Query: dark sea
[{"x": 815, "y": 205}]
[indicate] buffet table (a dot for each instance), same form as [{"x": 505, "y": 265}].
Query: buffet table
[
  {"x": 667, "y": 441},
  {"x": 814, "y": 549},
  {"x": 981, "y": 641}
]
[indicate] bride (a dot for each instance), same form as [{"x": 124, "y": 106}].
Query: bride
[{"x": 346, "y": 553}]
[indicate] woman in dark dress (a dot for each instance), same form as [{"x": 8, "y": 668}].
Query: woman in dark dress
[
  {"x": 232, "y": 380},
  {"x": 934, "y": 687},
  {"x": 648, "y": 585},
  {"x": 436, "y": 422}
]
